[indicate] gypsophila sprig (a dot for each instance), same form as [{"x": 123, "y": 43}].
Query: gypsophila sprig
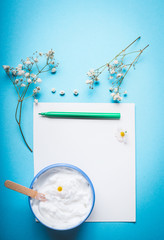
[
  {"x": 26, "y": 76},
  {"x": 118, "y": 69}
]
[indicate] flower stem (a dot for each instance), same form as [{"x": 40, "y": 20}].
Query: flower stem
[
  {"x": 24, "y": 137},
  {"x": 19, "y": 124},
  {"x": 17, "y": 111},
  {"x": 134, "y": 61},
  {"x": 131, "y": 44},
  {"x": 20, "y": 101},
  {"x": 105, "y": 65},
  {"x": 23, "y": 82},
  {"x": 129, "y": 53},
  {"x": 19, "y": 104},
  {"x": 14, "y": 85}
]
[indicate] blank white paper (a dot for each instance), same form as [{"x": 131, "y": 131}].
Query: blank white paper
[{"x": 91, "y": 145}]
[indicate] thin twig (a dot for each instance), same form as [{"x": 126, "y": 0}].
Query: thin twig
[
  {"x": 13, "y": 84},
  {"x": 24, "y": 138},
  {"x": 22, "y": 92},
  {"x": 17, "y": 111},
  {"x": 36, "y": 64},
  {"x": 105, "y": 65},
  {"x": 136, "y": 58}
]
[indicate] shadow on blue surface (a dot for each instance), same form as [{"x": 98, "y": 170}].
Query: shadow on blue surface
[{"x": 62, "y": 235}]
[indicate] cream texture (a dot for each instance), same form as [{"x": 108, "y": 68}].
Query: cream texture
[{"x": 63, "y": 209}]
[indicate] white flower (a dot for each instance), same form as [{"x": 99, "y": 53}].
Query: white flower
[
  {"x": 39, "y": 80},
  {"x": 119, "y": 98},
  {"x": 119, "y": 75},
  {"x": 125, "y": 92},
  {"x": 75, "y": 92},
  {"x": 27, "y": 74},
  {"x": 36, "y": 101},
  {"x": 16, "y": 81},
  {"x": 112, "y": 71},
  {"x": 29, "y": 80},
  {"x": 33, "y": 75},
  {"x": 28, "y": 62},
  {"x": 111, "y": 77},
  {"x": 121, "y": 135},
  {"x": 112, "y": 94},
  {"x": 89, "y": 81},
  {"x": 50, "y": 54},
  {"x": 14, "y": 72},
  {"x": 116, "y": 96},
  {"x": 23, "y": 85},
  {"x": 38, "y": 88},
  {"x": 20, "y": 73},
  {"x": 34, "y": 91},
  {"x": 53, "y": 90},
  {"x": 116, "y": 62},
  {"x": 91, "y": 72},
  {"x": 20, "y": 66},
  {"x": 53, "y": 70},
  {"x": 35, "y": 60},
  {"x": 6, "y": 68},
  {"x": 62, "y": 92},
  {"x": 116, "y": 89},
  {"x": 111, "y": 89}
]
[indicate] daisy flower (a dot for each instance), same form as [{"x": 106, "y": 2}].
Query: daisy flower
[{"x": 121, "y": 135}]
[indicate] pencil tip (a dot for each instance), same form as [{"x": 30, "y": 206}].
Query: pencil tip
[{"x": 41, "y": 113}]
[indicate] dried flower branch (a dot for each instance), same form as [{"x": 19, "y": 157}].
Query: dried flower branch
[
  {"x": 25, "y": 75},
  {"x": 117, "y": 71}
]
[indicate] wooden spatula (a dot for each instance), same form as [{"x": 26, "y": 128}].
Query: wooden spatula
[{"x": 24, "y": 190}]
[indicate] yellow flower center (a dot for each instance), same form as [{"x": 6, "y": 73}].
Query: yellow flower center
[
  {"x": 60, "y": 188},
  {"x": 122, "y": 134}
]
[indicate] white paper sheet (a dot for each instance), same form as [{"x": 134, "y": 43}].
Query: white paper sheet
[{"x": 91, "y": 145}]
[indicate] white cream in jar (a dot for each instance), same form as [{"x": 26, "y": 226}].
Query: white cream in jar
[{"x": 69, "y": 198}]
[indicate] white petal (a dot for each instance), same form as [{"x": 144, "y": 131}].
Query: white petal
[
  {"x": 39, "y": 80},
  {"x": 62, "y": 92},
  {"x": 75, "y": 92},
  {"x": 53, "y": 90},
  {"x": 53, "y": 70},
  {"x": 27, "y": 74}
]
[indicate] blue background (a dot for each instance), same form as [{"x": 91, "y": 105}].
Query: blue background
[{"x": 84, "y": 34}]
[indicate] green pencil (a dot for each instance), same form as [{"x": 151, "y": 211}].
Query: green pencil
[{"x": 81, "y": 115}]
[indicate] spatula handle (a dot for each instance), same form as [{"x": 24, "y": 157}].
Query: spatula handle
[{"x": 19, "y": 188}]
